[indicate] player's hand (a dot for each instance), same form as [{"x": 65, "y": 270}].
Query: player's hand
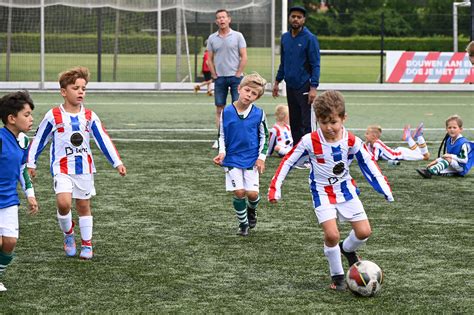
[
  {"x": 32, "y": 172},
  {"x": 312, "y": 95},
  {"x": 275, "y": 90},
  {"x": 122, "y": 170},
  {"x": 390, "y": 198},
  {"x": 218, "y": 159},
  {"x": 32, "y": 206},
  {"x": 260, "y": 165}
]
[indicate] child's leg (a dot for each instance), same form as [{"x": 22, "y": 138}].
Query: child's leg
[
  {"x": 253, "y": 199},
  {"x": 85, "y": 226},
  {"x": 240, "y": 206},
  {"x": 423, "y": 147},
  {"x": 63, "y": 202},
  {"x": 408, "y": 138},
  {"x": 358, "y": 236},
  {"x": 331, "y": 247},
  {"x": 440, "y": 165}
]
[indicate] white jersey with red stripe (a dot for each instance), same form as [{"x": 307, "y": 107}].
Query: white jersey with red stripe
[
  {"x": 70, "y": 151},
  {"x": 280, "y": 136},
  {"x": 329, "y": 179},
  {"x": 381, "y": 151}
]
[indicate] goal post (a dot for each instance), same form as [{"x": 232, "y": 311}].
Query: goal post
[{"x": 150, "y": 41}]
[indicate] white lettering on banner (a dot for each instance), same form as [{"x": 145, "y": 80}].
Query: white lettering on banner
[{"x": 424, "y": 63}]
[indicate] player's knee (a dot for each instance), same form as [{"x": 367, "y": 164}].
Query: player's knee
[
  {"x": 363, "y": 233},
  {"x": 8, "y": 244},
  {"x": 252, "y": 195},
  {"x": 240, "y": 194},
  {"x": 331, "y": 238}
]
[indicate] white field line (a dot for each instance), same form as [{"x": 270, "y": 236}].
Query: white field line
[
  {"x": 214, "y": 130},
  {"x": 210, "y": 141},
  {"x": 265, "y": 103}
]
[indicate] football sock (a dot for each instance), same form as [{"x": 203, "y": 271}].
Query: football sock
[
  {"x": 438, "y": 167},
  {"x": 422, "y": 145},
  {"x": 333, "y": 254},
  {"x": 252, "y": 204},
  {"x": 352, "y": 243},
  {"x": 5, "y": 259},
  {"x": 240, "y": 206},
  {"x": 411, "y": 143},
  {"x": 65, "y": 222},
  {"x": 85, "y": 225}
]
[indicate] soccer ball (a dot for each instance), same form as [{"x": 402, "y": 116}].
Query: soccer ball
[{"x": 364, "y": 278}]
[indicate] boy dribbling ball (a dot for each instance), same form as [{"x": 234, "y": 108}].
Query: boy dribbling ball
[
  {"x": 243, "y": 147},
  {"x": 331, "y": 149},
  {"x": 70, "y": 126}
]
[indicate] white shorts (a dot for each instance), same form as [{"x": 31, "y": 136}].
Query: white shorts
[
  {"x": 81, "y": 186},
  {"x": 9, "y": 222},
  {"x": 237, "y": 178},
  {"x": 351, "y": 211}
]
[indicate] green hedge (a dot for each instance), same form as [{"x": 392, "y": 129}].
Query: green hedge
[
  {"x": 87, "y": 43},
  {"x": 391, "y": 43},
  {"x": 146, "y": 44}
]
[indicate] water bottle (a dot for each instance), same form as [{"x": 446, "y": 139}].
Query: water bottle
[{"x": 393, "y": 163}]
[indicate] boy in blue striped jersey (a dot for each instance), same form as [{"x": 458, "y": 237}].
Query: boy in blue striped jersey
[
  {"x": 15, "y": 112},
  {"x": 243, "y": 146}
]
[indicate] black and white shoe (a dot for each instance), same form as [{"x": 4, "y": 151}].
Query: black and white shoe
[
  {"x": 423, "y": 172},
  {"x": 352, "y": 257},
  {"x": 252, "y": 217},
  {"x": 243, "y": 230},
  {"x": 338, "y": 283}
]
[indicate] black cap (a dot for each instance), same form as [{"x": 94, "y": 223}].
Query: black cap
[{"x": 297, "y": 8}]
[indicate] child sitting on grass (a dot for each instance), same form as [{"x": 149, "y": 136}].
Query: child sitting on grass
[{"x": 459, "y": 156}]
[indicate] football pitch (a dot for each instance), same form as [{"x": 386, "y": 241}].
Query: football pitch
[{"x": 164, "y": 235}]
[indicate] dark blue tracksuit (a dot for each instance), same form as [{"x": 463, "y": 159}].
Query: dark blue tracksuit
[{"x": 299, "y": 67}]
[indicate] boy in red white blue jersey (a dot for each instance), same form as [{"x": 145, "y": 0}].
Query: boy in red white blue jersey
[
  {"x": 70, "y": 127},
  {"x": 331, "y": 149},
  {"x": 281, "y": 140}
]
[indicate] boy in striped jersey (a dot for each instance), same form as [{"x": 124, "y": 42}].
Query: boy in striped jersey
[
  {"x": 458, "y": 158},
  {"x": 331, "y": 149},
  {"x": 16, "y": 114},
  {"x": 70, "y": 126},
  {"x": 281, "y": 140},
  {"x": 417, "y": 148},
  {"x": 243, "y": 147}
]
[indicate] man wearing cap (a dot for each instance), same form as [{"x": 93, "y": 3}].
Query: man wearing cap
[{"x": 299, "y": 67}]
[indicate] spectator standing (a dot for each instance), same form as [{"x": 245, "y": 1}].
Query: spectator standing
[
  {"x": 227, "y": 59},
  {"x": 300, "y": 68}
]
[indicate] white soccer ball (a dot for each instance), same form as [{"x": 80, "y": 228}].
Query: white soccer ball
[{"x": 365, "y": 278}]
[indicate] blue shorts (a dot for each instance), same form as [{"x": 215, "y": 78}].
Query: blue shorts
[{"x": 221, "y": 88}]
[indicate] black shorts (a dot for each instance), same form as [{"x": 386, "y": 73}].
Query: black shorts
[{"x": 207, "y": 75}]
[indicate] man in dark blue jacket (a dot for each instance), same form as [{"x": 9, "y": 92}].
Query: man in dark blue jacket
[{"x": 299, "y": 67}]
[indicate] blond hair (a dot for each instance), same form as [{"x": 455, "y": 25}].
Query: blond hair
[
  {"x": 70, "y": 76},
  {"x": 256, "y": 81},
  {"x": 281, "y": 111},
  {"x": 328, "y": 103},
  {"x": 455, "y": 118},
  {"x": 470, "y": 49},
  {"x": 376, "y": 129}
]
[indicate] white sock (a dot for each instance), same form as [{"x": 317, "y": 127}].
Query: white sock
[
  {"x": 65, "y": 221},
  {"x": 352, "y": 243},
  {"x": 85, "y": 224},
  {"x": 422, "y": 145},
  {"x": 411, "y": 143},
  {"x": 333, "y": 254}
]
